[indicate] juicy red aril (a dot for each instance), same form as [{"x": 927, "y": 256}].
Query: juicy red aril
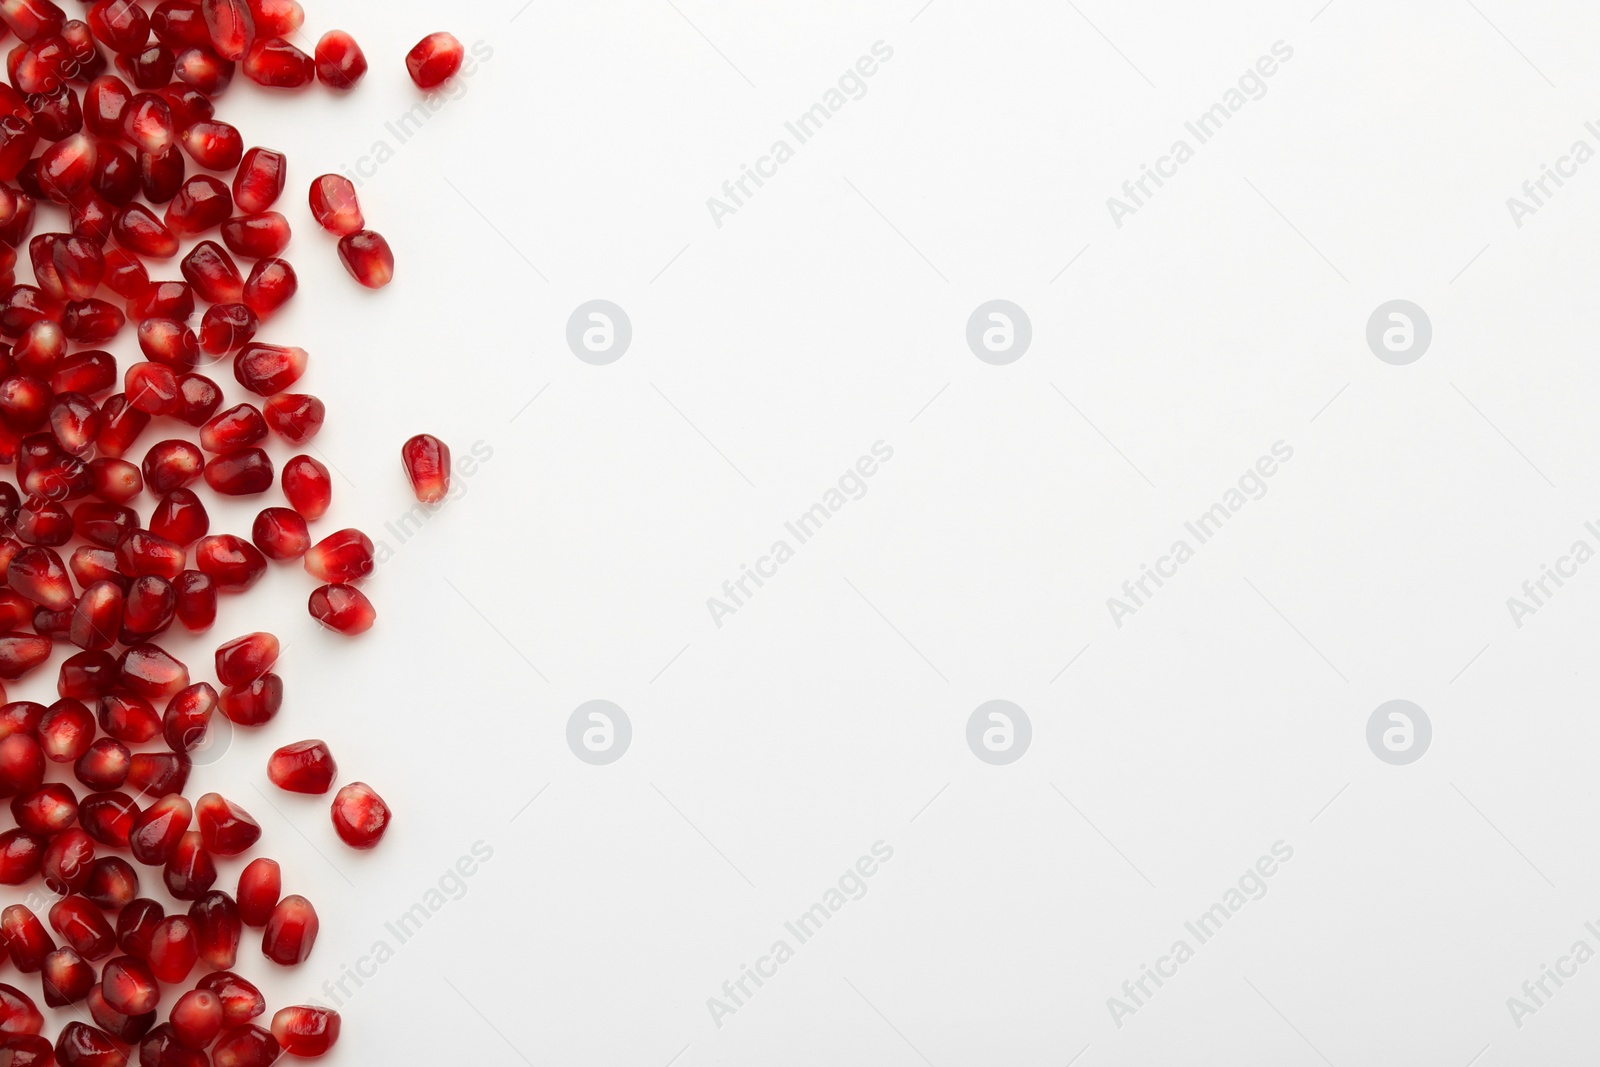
[
  {"x": 225, "y": 828},
  {"x": 116, "y": 480},
  {"x": 427, "y": 464},
  {"x": 19, "y": 1017},
  {"x": 174, "y": 346},
  {"x": 340, "y": 61},
  {"x": 196, "y": 1019},
  {"x": 103, "y": 766},
  {"x": 217, "y": 928},
  {"x": 303, "y": 767},
  {"x": 21, "y": 856},
  {"x": 150, "y": 672},
  {"x": 150, "y": 69},
  {"x": 124, "y": 1029},
  {"x": 260, "y": 885},
  {"x": 280, "y": 534},
  {"x": 334, "y": 205},
  {"x": 227, "y": 328},
  {"x": 47, "y": 810},
  {"x": 213, "y": 273},
  {"x": 143, "y": 553},
  {"x": 368, "y": 258},
  {"x": 343, "y": 557},
  {"x": 129, "y": 985},
  {"x": 172, "y": 465},
  {"x": 197, "y": 600},
  {"x": 152, "y": 388},
  {"x": 161, "y": 174},
  {"x": 125, "y": 273},
  {"x": 204, "y": 70},
  {"x": 244, "y": 659},
  {"x": 108, "y": 817},
  {"x": 128, "y": 718},
  {"x": 21, "y": 653},
  {"x": 260, "y": 180},
  {"x": 28, "y": 943},
  {"x": 239, "y": 427},
  {"x": 158, "y": 829},
  {"x": 276, "y": 18},
  {"x": 75, "y": 421},
  {"x": 308, "y": 486},
  {"x": 254, "y": 703},
  {"x": 158, "y": 774},
  {"x": 163, "y": 300},
  {"x": 121, "y": 25},
  {"x": 245, "y": 1046},
  {"x": 97, "y": 617},
  {"x": 434, "y": 60},
  {"x": 268, "y": 369},
  {"x": 277, "y": 64},
  {"x": 112, "y": 884},
  {"x": 174, "y": 948},
  {"x": 230, "y": 26},
  {"x": 66, "y": 978},
  {"x": 272, "y": 283},
  {"x": 190, "y": 873},
  {"x": 256, "y": 236},
  {"x": 160, "y": 1047},
  {"x": 232, "y": 563},
  {"x": 39, "y": 575},
  {"x": 81, "y": 1045},
  {"x": 359, "y": 815},
  {"x": 137, "y": 230},
  {"x": 81, "y": 925},
  {"x": 21, "y": 765},
  {"x": 202, "y": 203},
  {"x": 241, "y": 1001},
  {"x": 180, "y": 518},
  {"x": 67, "y": 861},
  {"x": 291, "y": 931},
  {"x": 296, "y": 417},
  {"x": 136, "y": 926},
  {"x": 342, "y": 608},
  {"x": 306, "y": 1031},
  {"x": 242, "y": 473},
  {"x": 187, "y": 721},
  {"x": 104, "y": 524}
]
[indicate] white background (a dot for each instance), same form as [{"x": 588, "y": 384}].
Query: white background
[{"x": 829, "y": 313}]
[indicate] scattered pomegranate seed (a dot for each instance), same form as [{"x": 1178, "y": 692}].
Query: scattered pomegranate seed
[
  {"x": 244, "y": 1046},
  {"x": 260, "y": 885},
  {"x": 196, "y": 1019},
  {"x": 368, "y": 258},
  {"x": 427, "y": 464},
  {"x": 230, "y": 26},
  {"x": 342, "y": 608},
  {"x": 291, "y": 931},
  {"x": 360, "y": 816},
  {"x": 66, "y": 978},
  {"x": 344, "y": 557},
  {"x": 82, "y": 926},
  {"x": 303, "y": 767},
  {"x": 434, "y": 60},
  {"x": 306, "y": 1031},
  {"x": 255, "y": 703},
  {"x": 280, "y": 534},
  {"x": 218, "y": 929},
  {"x": 277, "y": 64},
  {"x": 340, "y": 61},
  {"x": 308, "y": 486},
  {"x": 335, "y": 206},
  {"x": 257, "y": 236},
  {"x": 129, "y": 986},
  {"x": 260, "y": 180},
  {"x": 81, "y": 1045},
  {"x": 241, "y": 1001},
  {"x": 296, "y": 417}
]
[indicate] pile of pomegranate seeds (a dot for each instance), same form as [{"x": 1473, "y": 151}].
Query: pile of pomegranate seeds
[{"x": 108, "y": 130}]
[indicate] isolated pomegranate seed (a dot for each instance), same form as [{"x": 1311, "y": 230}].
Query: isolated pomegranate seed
[
  {"x": 112, "y": 884},
  {"x": 242, "y": 473},
  {"x": 232, "y": 563},
  {"x": 306, "y": 1031},
  {"x": 335, "y": 206},
  {"x": 161, "y": 174},
  {"x": 260, "y": 885},
  {"x": 107, "y": 817},
  {"x": 75, "y": 421},
  {"x": 66, "y": 978},
  {"x": 187, "y": 721},
  {"x": 28, "y": 943},
  {"x": 227, "y": 328},
  {"x": 136, "y": 926},
  {"x": 197, "y": 1018},
  {"x": 81, "y": 1045},
  {"x": 116, "y": 480},
  {"x": 197, "y": 601},
  {"x": 97, "y": 617},
  {"x": 268, "y": 369},
  {"x": 163, "y": 300},
  {"x": 303, "y": 767},
  {"x": 343, "y": 557},
  {"x": 217, "y": 929},
  {"x": 123, "y": 1029},
  {"x": 150, "y": 69},
  {"x": 435, "y": 59},
  {"x": 272, "y": 283},
  {"x": 213, "y": 273},
  {"x": 342, "y": 608},
  {"x": 280, "y": 534},
  {"x": 204, "y": 70},
  {"x": 368, "y": 258},
  {"x": 230, "y": 26},
  {"x": 277, "y": 64},
  {"x": 202, "y": 203},
  {"x": 158, "y": 829},
  {"x": 180, "y": 517},
  {"x": 174, "y": 346},
  {"x": 427, "y": 464},
  {"x": 360, "y": 816},
  {"x": 244, "y": 1046},
  {"x": 174, "y": 949},
  {"x": 190, "y": 873},
  {"x": 254, "y": 703},
  {"x": 137, "y": 230},
  {"x": 81, "y": 925},
  {"x": 21, "y": 856},
  {"x": 340, "y": 61},
  {"x": 225, "y": 828},
  {"x": 308, "y": 486},
  {"x": 241, "y": 1001},
  {"x": 296, "y": 417},
  {"x": 291, "y": 931},
  {"x": 257, "y": 236},
  {"x": 21, "y": 653},
  {"x": 260, "y": 180},
  {"x": 239, "y": 427}
]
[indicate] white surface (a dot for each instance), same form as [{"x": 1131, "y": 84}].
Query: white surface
[{"x": 769, "y": 754}]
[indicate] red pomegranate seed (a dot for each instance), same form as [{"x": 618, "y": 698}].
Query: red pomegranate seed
[
  {"x": 108, "y": 817},
  {"x": 150, "y": 69},
  {"x": 75, "y": 420},
  {"x": 129, "y": 985},
  {"x": 91, "y": 322},
  {"x": 15, "y": 609},
  {"x": 427, "y": 464},
  {"x": 67, "y": 728},
  {"x": 272, "y": 283},
  {"x": 239, "y": 427},
  {"x": 23, "y": 306},
  {"x": 66, "y": 167},
  {"x": 150, "y": 672},
  {"x": 137, "y": 230},
  {"x": 188, "y": 105},
  {"x": 225, "y": 828},
  {"x": 280, "y": 534},
  {"x": 136, "y": 926},
  {"x": 291, "y": 931},
  {"x": 244, "y": 1046},
  {"x": 39, "y": 575},
  {"x": 104, "y": 102},
  {"x": 202, "y": 203},
  {"x": 47, "y": 810},
  {"x": 66, "y": 268},
  {"x": 255, "y": 703},
  {"x": 97, "y": 617},
  {"x": 160, "y": 1047},
  {"x": 21, "y": 653},
  {"x": 24, "y": 403},
  {"x": 268, "y": 369},
  {"x": 125, "y": 274},
  {"x": 161, "y": 174},
  {"x": 179, "y": 24},
  {"x": 163, "y": 300},
  {"x": 113, "y": 883},
  {"x": 203, "y": 70},
  {"x": 227, "y": 328},
  {"x": 257, "y": 236},
  {"x": 153, "y": 389},
  {"x": 341, "y": 558},
  {"x": 171, "y": 464},
  {"x": 217, "y": 928},
  {"x": 308, "y": 486},
  {"x": 213, "y": 273},
  {"x": 196, "y": 1019},
  {"x": 260, "y": 885},
  {"x": 103, "y": 766},
  {"x": 197, "y": 601},
  {"x": 335, "y": 206},
  {"x": 115, "y": 480},
  {"x": 340, "y": 61},
  {"x": 360, "y": 816},
  {"x": 230, "y": 26},
  {"x": 306, "y": 1031},
  {"x": 116, "y": 175},
  {"x": 41, "y": 348},
  {"x": 296, "y": 417},
  {"x": 142, "y": 553},
  {"x": 123, "y": 1029},
  {"x": 174, "y": 949},
  {"x": 128, "y": 718},
  {"x": 241, "y": 1001},
  {"x": 21, "y": 856},
  {"x": 21, "y": 717},
  {"x": 158, "y": 829},
  {"x": 19, "y": 1017},
  {"x": 17, "y": 141},
  {"x": 260, "y": 180},
  {"x": 232, "y": 563},
  {"x": 67, "y": 861},
  {"x": 180, "y": 518},
  {"x": 81, "y": 925},
  {"x": 303, "y": 767},
  {"x": 277, "y": 64},
  {"x": 28, "y": 943},
  {"x": 190, "y": 873},
  {"x": 242, "y": 473},
  {"x": 27, "y": 1050},
  {"x": 342, "y": 608},
  {"x": 368, "y": 258},
  {"x": 434, "y": 60},
  {"x": 21, "y": 764},
  {"x": 187, "y": 721},
  {"x": 81, "y": 1045},
  {"x": 66, "y": 978},
  {"x": 121, "y": 25},
  {"x": 148, "y": 123},
  {"x": 244, "y": 659},
  {"x": 276, "y": 18}
]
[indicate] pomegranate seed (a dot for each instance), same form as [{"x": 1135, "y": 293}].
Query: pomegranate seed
[
  {"x": 335, "y": 206},
  {"x": 23, "y": 306},
  {"x": 277, "y": 64},
  {"x": 142, "y": 553},
  {"x": 197, "y": 1018},
  {"x": 97, "y": 618},
  {"x": 27, "y": 1050},
  {"x": 225, "y": 828},
  {"x": 344, "y": 557},
  {"x": 28, "y": 943},
  {"x": 268, "y": 369},
  {"x": 39, "y": 575},
  {"x": 136, "y": 926},
  {"x": 217, "y": 928},
  {"x": 427, "y": 464},
  {"x": 308, "y": 486},
  {"x": 104, "y": 102},
  {"x": 113, "y": 883},
  {"x": 120, "y": 425},
  {"x": 163, "y": 300},
  {"x": 21, "y": 765},
  {"x": 21, "y": 856},
  {"x": 260, "y": 180},
  {"x": 197, "y": 601},
  {"x": 67, "y": 268},
  {"x": 242, "y": 473},
  {"x": 150, "y": 69},
  {"x": 108, "y": 817},
  {"x": 24, "y": 403},
  {"x": 148, "y": 123},
  {"x": 255, "y": 703},
  {"x": 213, "y": 273},
  {"x": 81, "y": 1045},
  {"x": 66, "y": 732},
  {"x": 202, "y": 203},
  {"x": 44, "y": 522},
  {"x": 16, "y": 207},
  {"x": 230, "y": 26},
  {"x": 187, "y": 720},
  {"x": 239, "y": 427},
  {"x": 291, "y": 931},
  {"x": 257, "y": 236},
  {"x": 93, "y": 217},
  {"x": 75, "y": 420},
  {"x": 188, "y": 105},
  {"x": 306, "y": 1031},
  {"x": 128, "y": 718},
  {"x": 17, "y": 141},
  {"x": 368, "y": 258},
  {"x": 50, "y": 809},
  {"x": 67, "y": 861},
  {"x": 244, "y": 659},
  {"x": 303, "y": 767},
  {"x": 204, "y": 70},
  {"x": 340, "y": 61},
  {"x": 180, "y": 518},
  {"x": 87, "y": 675},
  {"x": 153, "y": 389},
  {"x": 137, "y": 230},
  {"x": 15, "y": 610},
  {"x": 435, "y": 59},
  {"x": 121, "y": 25},
  {"x": 232, "y": 563},
  {"x": 129, "y": 985},
  {"x": 103, "y": 766},
  {"x": 172, "y": 465},
  {"x": 21, "y": 717},
  {"x": 19, "y": 1017},
  {"x": 174, "y": 949},
  {"x": 342, "y": 608},
  {"x": 66, "y": 978},
  {"x": 158, "y": 774},
  {"x": 150, "y": 672},
  {"x": 260, "y": 884},
  {"x": 91, "y": 322},
  {"x": 161, "y": 1048},
  {"x": 227, "y": 327},
  {"x": 21, "y": 653},
  {"x": 244, "y": 1046},
  {"x": 241, "y": 1001},
  {"x": 42, "y": 346},
  {"x": 158, "y": 829},
  {"x": 161, "y": 174},
  {"x": 179, "y": 24},
  {"x": 360, "y": 816},
  {"x": 190, "y": 873},
  {"x": 296, "y": 417},
  {"x": 272, "y": 284},
  {"x": 125, "y": 274},
  {"x": 66, "y": 167},
  {"x": 124, "y": 1029},
  {"x": 116, "y": 175},
  {"x": 81, "y": 925},
  {"x": 280, "y": 534}
]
